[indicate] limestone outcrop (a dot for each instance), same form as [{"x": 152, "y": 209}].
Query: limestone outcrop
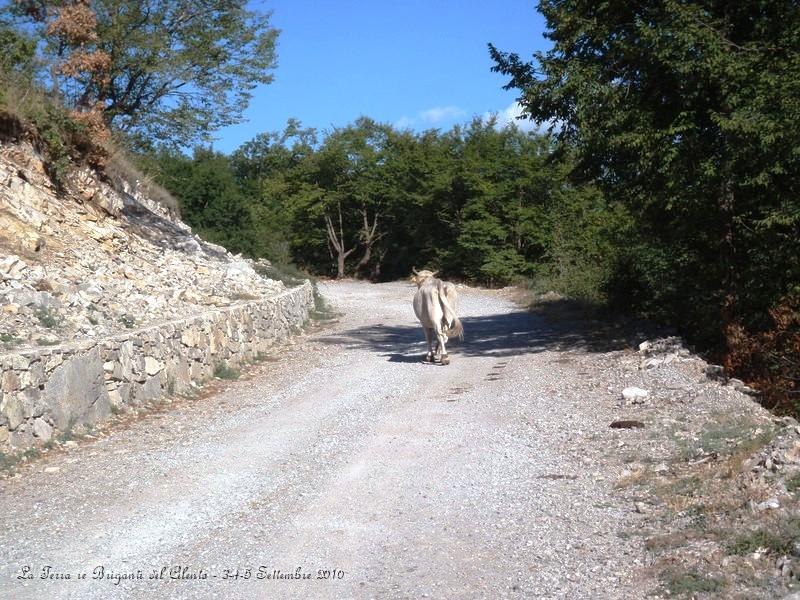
[{"x": 107, "y": 300}]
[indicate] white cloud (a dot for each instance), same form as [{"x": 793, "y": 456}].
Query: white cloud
[
  {"x": 448, "y": 114},
  {"x": 510, "y": 115},
  {"x": 431, "y": 116},
  {"x": 403, "y": 122},
  {"x": 442, "y": 113}
]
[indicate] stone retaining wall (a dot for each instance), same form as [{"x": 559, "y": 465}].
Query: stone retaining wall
[{"x": 47, "y": 390}]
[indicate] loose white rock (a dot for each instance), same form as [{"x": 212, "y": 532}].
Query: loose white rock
[
  {"x": 635, "y": 395},
  {"x": 770, "y": 504}
]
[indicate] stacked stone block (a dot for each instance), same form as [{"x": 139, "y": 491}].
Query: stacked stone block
[{"x": 47, "y": 390}]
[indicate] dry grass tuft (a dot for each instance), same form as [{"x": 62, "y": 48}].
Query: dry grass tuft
[
  {"x": 124, "y": 176},
  {"x": 709, "y": 539}
]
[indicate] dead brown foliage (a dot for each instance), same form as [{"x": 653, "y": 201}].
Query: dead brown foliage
[
  {"x": 96, "y": 130},
  {"x": 770, "y": 359},
  {"x": 95, "y": 63},
  {"x": 74, "y": 23}
]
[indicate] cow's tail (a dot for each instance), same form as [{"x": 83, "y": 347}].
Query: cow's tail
[
  {"x": 456, "y": 329},
  {"x": 451, "y": 320}
]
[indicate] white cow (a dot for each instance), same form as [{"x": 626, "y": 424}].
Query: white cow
[{"x": 435, "y": 307}]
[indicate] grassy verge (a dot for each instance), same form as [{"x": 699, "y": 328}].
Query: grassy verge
[
  {"x": 28, "y": 112},
  {"x": 223, "y": 371},
  {"x": 322, "y": 310},
  {"x": 722, "y": 521},
  {"x": 291, "y": 276}
]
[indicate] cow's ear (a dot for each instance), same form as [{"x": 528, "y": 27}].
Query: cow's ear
[{"x": 434, "y": 273}]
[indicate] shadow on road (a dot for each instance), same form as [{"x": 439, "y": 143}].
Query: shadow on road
[{"x": 499, "y": 335}]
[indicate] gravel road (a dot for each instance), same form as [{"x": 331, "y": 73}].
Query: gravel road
[{"x": 351, "y": 464}]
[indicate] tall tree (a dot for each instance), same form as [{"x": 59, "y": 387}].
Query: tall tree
[
  {"x": 686, "y": 112},
  {"x": 17, "y": 51},
  {"x": 176, "y": 69},
  {"x": 350, "y": 196},
  {"x": 210, "y": 199},
  {"x": 271, "y": 171}
]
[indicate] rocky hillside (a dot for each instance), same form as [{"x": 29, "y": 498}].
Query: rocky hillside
[{"x": 90, "y": 260}]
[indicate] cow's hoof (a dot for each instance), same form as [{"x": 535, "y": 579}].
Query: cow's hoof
[
  {"x": 428, "y": 358},
  {"x": 445, "y": 360}
]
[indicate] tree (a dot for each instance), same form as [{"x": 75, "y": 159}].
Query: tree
[
  {"x": 211, "y": 201},
  {"x": 17, "y": 52},
  {"x": 269, "y": 172},
  {"x": 685, "y": 111},
  {"x": 492, "y": 204},
  {"x": 374, "y": 202},
  {"x": 413, "y": 166},
  {"x": 176, "y": 70},
  {"x": 345, "y": 185}
]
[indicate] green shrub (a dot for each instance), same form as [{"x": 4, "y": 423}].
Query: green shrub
[
  {"x": 223, "y": 371},
  {"x": 321, "y": 311},
  {"x": 793, "y": 483},
  {"x": 779, "y": 539},
  {"x": 31, "y": 454},
  {"x": 689, "y": 584},
  {"x": 8, "y": 340},
  {"x": 48, "y": 317}
]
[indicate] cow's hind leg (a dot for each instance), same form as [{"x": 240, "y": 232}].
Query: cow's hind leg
[
  {"x": 445, "y": 356},
  {"x": 429, "y": 339},
  {"x": 441, "y": 350}
]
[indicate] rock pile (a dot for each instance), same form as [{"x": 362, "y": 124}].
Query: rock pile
[
  {"x": 107, "y": 301},
  {"x": 93, "y": 262},
  {"x": 714, "y": 476}
]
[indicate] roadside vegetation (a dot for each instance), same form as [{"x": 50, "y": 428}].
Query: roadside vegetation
[
  {"x": 719, "y": 509},
  {"x": 683, "y": 115},
  {"x": 224, "y": 371}
]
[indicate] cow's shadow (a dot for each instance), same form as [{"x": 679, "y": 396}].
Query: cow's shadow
[{"x": 500, "y": 335}]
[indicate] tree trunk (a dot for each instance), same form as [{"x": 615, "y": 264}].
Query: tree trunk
[
  {"x": 340, "y": 266},
  {"x": 376, "y": 269},
  {"x": 369, "y": 236},
  {"x": 730, "y": 307},
  {"x": 336, "y": 240},
  {"x": 362, "y": 264}
]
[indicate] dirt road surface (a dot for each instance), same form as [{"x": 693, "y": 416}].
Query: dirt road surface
[{"x": 352, "y": 465}]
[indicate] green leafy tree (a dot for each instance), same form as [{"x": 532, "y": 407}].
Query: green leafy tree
[
  {"x": 176, "y": 70},
  {"x": 343, "y": 194},
  {"x": 413, "y": 167},
  {"x": 686, "y": 112},
  {"x": 497, "y": 189},
  {"x": 210, "y": 198},
  {"x": 17, "y": 52},
  {"x": 270, "y": 170},
  {"x": 477, "y": 202}
]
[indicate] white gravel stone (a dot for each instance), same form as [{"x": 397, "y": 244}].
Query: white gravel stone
[{"x": 634, "y": 395}]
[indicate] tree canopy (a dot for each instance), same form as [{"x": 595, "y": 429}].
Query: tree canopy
[
  {"x": 686, "y": 113},
  {"x": 162, "y": 70},
  {"x": 368, "y": 200}
]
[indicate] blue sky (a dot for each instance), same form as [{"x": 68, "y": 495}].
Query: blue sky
[{"x": 411, "y": 63}]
